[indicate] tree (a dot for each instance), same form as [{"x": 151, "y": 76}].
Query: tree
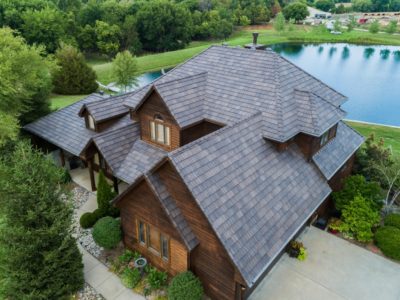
[
  {"x": 104, "y": 195},
  {"x": 352, "y": 23},
  {"x": 373, "y": 152},
  {"x": 130, "y": 37},
  {"x": 124, "y": 68},
  {"x": 358, "y": 185},
  {"x": 73, "y": 76},
  {"x": 391, "y": 27},
  {"x": 279, "y": 22},
  {"x": 358, "y": 218},
  {"x": 390, "y": 174},
  {"x": 337, "y": 26},
  {"x": 362, "y": 5},
  {"x": 163, "y": 25},
  {"x": 24, "y": 100},
  {"x": 325, "y": 5},
  {"x": 296, "y": 10},
  {"x": 107, "y": 38},
  {"x": 374, "y": 27},
  {"x": 39, "y": 257},
  {"x": 46, "y": 27},
  {"x": 8, "y": 128}
]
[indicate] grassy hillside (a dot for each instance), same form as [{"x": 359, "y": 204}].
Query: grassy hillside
[{"x": 389, "y": 134}]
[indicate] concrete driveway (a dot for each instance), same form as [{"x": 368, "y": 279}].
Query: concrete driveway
[{"x": 334, "y": 269}]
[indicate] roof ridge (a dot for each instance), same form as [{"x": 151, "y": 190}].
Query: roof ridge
[
  {"x": 344, "y": 123},
  {"x": 326, "y": 101},
  {"x": 304, "y": 71},
  {"x": 278, "y": 99},
  {"x": 211, "y": 135},
  {"x": 181, "y": 78},
  {"x": 314, "y": 118}
]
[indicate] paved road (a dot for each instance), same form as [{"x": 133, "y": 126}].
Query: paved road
[{"x": 335, "y": 270}]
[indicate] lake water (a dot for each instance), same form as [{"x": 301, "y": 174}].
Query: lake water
[{"x": 368, "y": 75}]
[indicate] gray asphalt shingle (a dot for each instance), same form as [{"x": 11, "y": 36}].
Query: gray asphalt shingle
[
  {"x": 255, "y": 197},
  {"x": 334, "y": 154},
  {"x": 64, "y": 128}
]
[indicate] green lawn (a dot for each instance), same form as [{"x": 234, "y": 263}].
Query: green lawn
[
  {"x": 389, "y": 134},
  {"x": 60, "y": 101},
  {"x": 153, "y": 62}
]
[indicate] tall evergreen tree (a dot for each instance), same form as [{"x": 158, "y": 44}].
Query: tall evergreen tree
[
  {"x": 73, "y": 76},
  {"x": 39, "y": 259}
]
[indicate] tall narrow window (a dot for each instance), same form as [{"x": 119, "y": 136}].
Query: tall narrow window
[
  {"x": 153, "y": 238},
  {"x": 324, "y": 138},
  {"x": 90, "y": 122},
  {"x": 142, "y": 235},
  {"x": 159, "y": 132},
  {"x": 164, "y": 247}
]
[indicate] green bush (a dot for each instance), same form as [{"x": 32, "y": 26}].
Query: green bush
[
  {"x": 358, "y": 219},
  {"x": 107, "y": 232},
  {"x": 358, "y": 185},
  {"x": 374, "y": 27},
  {"x": 387, "y": 238},
  {"x": 66, "y": 177},
  {"x": 130, "y": 277},
  {"x": 156, "y": 279},
  {"x": 126, "y": 257},
  {"x": 105, "y": 194},
  {"x": 185, "y": 286},
  {"x": 88, "y": 219},
  {"x": 392, "y": 220}
]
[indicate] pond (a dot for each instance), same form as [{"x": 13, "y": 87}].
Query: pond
[{"x": 368, "y": 75}]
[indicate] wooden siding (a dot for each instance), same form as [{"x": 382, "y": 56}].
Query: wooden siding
[
  {"x": 209, "y": 260},
  {"x": 195, "y": 132},
  {"x": 141, "y": 204},
  {"x": 155, "y": 105},
  {"x": 336, "y": 182}
]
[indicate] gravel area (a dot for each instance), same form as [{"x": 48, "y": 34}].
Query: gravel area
[{"x": 89, "y": 293}]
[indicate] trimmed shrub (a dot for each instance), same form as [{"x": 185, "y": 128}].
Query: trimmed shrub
[
  {"x": 105, "y": 194},
  {"x": 156, "y": 279},
  {"x": 88, "y": 219},
  {"x": 185, "y": 286},
  {"x": 392, "y": 220},
  {"x": 387, "y": 238},
  {"x": 130, "y": 277},
  {"x": 358, "y": 219},
  {"x": 107, "y": 232}
]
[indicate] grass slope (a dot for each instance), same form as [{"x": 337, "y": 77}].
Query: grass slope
[
  {"x": 60, "y": 101},
  {"x": 389, "y": 134}
]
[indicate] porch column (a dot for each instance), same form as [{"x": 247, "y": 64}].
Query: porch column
[
  {"x": 115, "y": 182},
  {"x": 62, "y": 157},
  {"x": 91, "y": 173}
]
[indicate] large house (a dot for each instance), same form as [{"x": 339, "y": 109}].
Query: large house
[{"x": 227, "y": 157}]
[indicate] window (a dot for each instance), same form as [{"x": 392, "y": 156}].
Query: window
[
  {"x": 142, "y": 236},
  {"x": 164, "y": 247},
  {"x": 150, "y": 237},
  {"x": 90, "y": 122},
  {"x": 96, "y": 159},
  {"x": 159, "y": 132},
  {"x": 324, "y": 138}
]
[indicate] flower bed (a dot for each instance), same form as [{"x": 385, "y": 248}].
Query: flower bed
[{"x": 147, "y": 281}]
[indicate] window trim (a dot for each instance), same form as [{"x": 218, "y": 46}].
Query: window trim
[
  {"x": 91, "y": 123},
  {"x": 156, "y": 125},
  {"x": 146, "y": 243}
]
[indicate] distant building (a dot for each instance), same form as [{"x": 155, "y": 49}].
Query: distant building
[{"x": 318, "y": 14}]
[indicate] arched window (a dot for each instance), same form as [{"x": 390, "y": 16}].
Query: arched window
[{"x": 160, "y": 133}]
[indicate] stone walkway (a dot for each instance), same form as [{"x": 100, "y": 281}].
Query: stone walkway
[
  {"x": 97, "y": 274},
  {"x": 103, "y": 281}
]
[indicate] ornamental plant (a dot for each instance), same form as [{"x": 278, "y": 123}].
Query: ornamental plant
[
  {"x": 185, "y": 286},
  {"x": 107, "y": 232},
  {"x": 392, "y": 220},
  {"x": 156, "y": 279},
  {"x": 130, "y": 277},
  {"x": 358, "y": 219},
  {"x": 387, "y": 238}
]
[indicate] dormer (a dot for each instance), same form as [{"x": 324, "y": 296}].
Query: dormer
[{"x": 100, "y": 115}]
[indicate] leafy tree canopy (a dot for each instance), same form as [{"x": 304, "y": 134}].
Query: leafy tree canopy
[
  {"x": 124, "y": 67},
  {"x": 296, "y": 10}
]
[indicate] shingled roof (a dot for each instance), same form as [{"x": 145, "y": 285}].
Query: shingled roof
[
  {"x": 64, "y": 128},
  {"x": 255, "y": 197},
  {"x": 334, "y": 154},
  {"x": 107, "y": 108},
  {"x": 115, "y": 144},
  {"x": 229, "y": 84},
  {"x": 172, "y": 210}
]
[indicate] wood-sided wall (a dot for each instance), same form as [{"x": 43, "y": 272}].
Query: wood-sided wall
[
  {"x": 197, "y": 131},
  {"x": 209, "y": 260},
  {"x": 141, "y": 204},
  {"x": 336, "y": 182},
  {"x": 155, "y": 105}
]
